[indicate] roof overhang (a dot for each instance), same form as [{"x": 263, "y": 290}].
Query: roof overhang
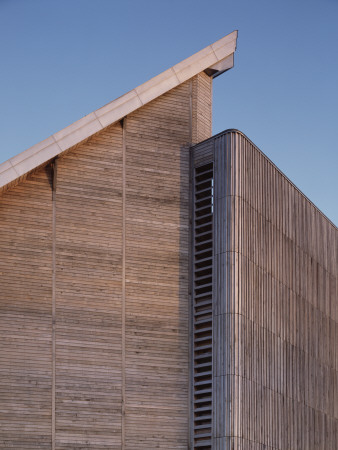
[
  {"x": 213, "y": 60},
  {"x": 221, "y": 66}
]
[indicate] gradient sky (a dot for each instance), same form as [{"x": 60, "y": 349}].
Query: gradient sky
[{"x": 60, "y": 60}]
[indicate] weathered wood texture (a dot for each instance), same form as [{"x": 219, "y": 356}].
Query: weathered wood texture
[
  {"x": 201, "y": 108},
  {"x": 88, "y": 294},
  {"x": 276, "y": 308},
  {"x": 117, "y": 282},
  {"x": 157, "y": 177},
  {"x": 26, "y": 314}
]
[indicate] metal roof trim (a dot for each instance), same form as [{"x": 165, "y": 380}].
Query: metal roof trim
[{"x": 114, "y": 111}]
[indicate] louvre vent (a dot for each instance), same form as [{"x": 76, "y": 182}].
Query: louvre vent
[{"x": 202, "y": 306}]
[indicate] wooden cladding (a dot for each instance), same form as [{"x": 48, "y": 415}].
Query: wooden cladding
[
  {"x": 26, "y": 315},
  {"x": 201, "y": 108},
  {"x": 202, "y": 306},
  {"x": 95, "y": 288},
  {"x": 275, "y": 311},
  {"x": 94, "y": 308}
]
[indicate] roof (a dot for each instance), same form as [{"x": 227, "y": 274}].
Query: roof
[{"x": 214, "y": 60}]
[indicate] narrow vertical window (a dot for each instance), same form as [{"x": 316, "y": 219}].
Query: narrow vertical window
[{"x": 202, "y": 306}]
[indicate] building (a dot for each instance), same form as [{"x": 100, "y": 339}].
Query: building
[
  {"x": 162, "y": 288},
  {"x": 268, "y": 266}
]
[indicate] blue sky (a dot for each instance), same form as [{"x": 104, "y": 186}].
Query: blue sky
[{"x": 62, "y": 59}]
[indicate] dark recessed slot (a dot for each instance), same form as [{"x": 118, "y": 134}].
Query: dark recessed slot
[
  {"x": 203, "y": 196},
  {"x": 199, "y": 238},
  {"x": 201, "y": 300},
  {"x": 204, "y": 271},
  {"x": 202, "y": 256},
  {"x": 203, "y": 311},
  {"x": 203, "y": 186},
  {"x": 203, "y": 176},
  {"x": 203, "y": 220},
  {"x": 201, "y": 252},
  {"x": 207, "y": 277},
  {"x": 203, "y": 246},
  {"x": 203, "y": 340},
  {"x": 202, "y": 261},
  {"x": 203, "y": 210},
  {"x": 204, "y": 359},
  {"x": 202, "y": 306},
  {"x": 202, "y": 376},
  {"x": 203, "y": 228},
  {"x": 203, "y": 168},
  {"x": 199, "y": 334},
  {"x": 199, "y": 283},
  {"x": 202, "y": 289}
]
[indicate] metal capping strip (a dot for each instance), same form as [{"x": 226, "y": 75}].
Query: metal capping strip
[
  {"x": 202, "y": 306},
  {"x": 217, "y": 56}
]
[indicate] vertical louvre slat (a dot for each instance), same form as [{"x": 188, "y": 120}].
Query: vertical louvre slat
[{"x": 202, "y": 306}]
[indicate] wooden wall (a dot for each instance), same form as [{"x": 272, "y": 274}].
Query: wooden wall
[
  {"x": 201, "y": 108},
  {"x": 156, "y": 307},
  {"x": 94, "y": 287},
  {"x": 26, "y": 315},
  {"x": 88, "y": 294},
  {"x": 276, "y": 307}
]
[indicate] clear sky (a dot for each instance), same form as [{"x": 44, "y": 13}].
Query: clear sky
[{"x": 60, "y": 60}]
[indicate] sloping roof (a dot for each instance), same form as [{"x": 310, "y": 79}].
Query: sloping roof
[{"x": 214, "y": 60}]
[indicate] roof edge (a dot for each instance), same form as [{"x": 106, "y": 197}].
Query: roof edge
[{"x": 210, "y": 57}]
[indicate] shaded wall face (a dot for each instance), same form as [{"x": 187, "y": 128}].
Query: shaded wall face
[
  {"x": 275, "y": 306},
  {"x": 94, "y": 287}
]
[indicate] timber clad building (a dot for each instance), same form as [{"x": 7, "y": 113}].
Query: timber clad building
[{"x": 162, "y": 288}]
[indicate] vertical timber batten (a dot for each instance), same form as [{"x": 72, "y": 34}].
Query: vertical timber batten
[
  {"x": 123, "y": 309},
  {"x": 190, "y": 111},
  {"x": 54, "y": 184}
]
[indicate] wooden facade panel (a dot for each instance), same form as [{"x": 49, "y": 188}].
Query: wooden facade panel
[
  {"x": 201, "y": 108},
  {"x": 26, "y": 314},
  {"x": 288, "y": 267},
  {"x": 276, "y": 270},
  {"x": 88, "y": 294},
  {"x": 94, "y": 260},
  {"x": 157, "y": 214}
]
